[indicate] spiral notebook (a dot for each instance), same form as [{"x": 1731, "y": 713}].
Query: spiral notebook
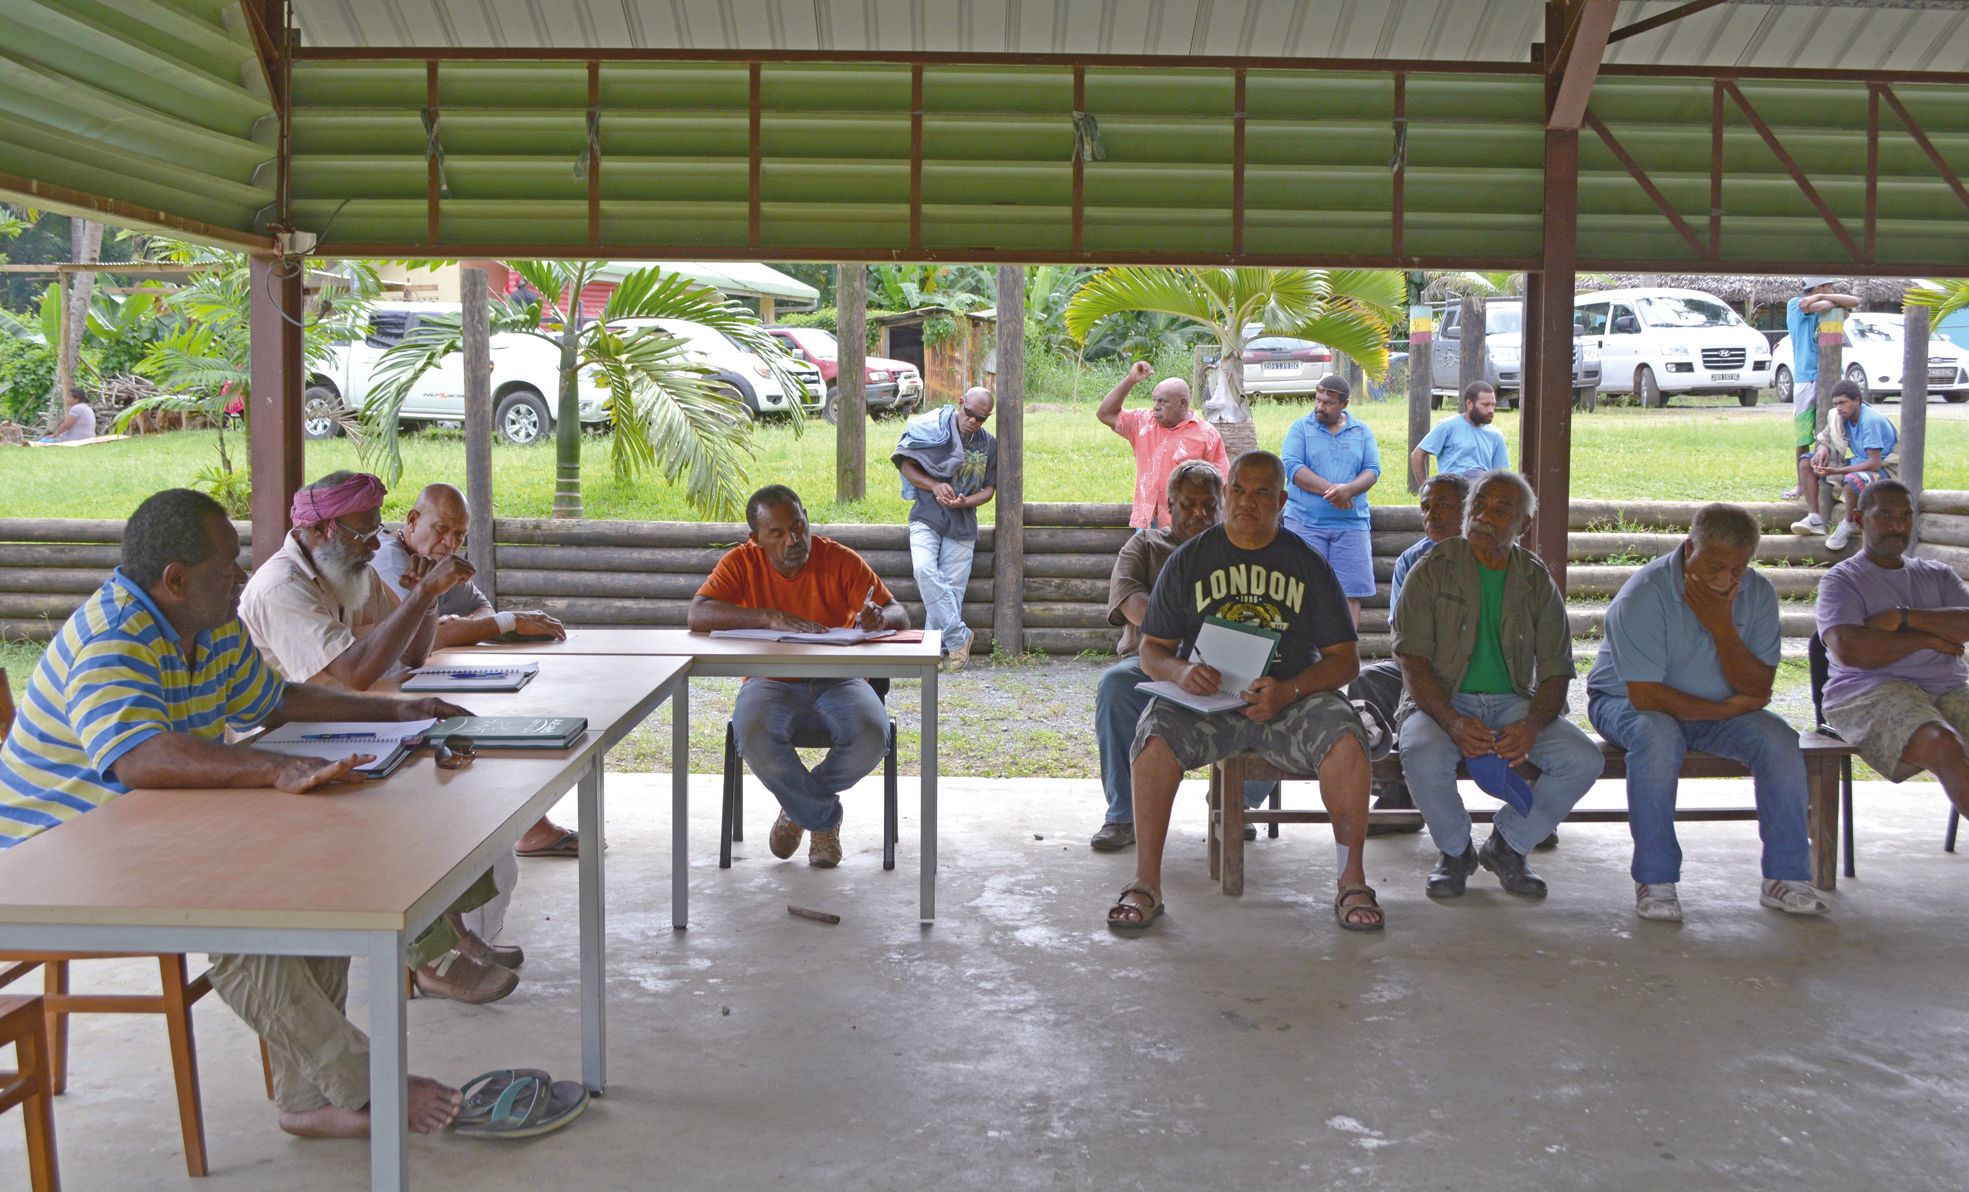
[
  {"x": 471, "y": 678},
  {"x": 388, "y": 741}
]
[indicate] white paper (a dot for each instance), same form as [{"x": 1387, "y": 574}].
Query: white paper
[
  {"x": 1220, "y": 702},
  {"x": 333, "y": 740},
  {"x": 1239, "y": 658}
]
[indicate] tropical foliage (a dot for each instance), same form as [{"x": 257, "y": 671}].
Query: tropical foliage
[
  {"x": 670, "y": 413},
  {"x": 1942, "y": 298}
]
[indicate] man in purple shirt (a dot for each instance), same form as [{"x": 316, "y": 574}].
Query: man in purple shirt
[{"x": 1895, "y": 628}]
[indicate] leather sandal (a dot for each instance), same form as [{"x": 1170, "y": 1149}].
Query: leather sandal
[
  {"x": 1118, "y": 914},
  {"x": 1343, "y": 912},
  {"x": 463, "y": 979}
]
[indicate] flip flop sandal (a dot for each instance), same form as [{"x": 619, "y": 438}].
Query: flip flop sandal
[
  {"x": 1149, "y": 913},
  {"x": 1342, "y": 912},
  {"x": 567, "y": 844},
  {"x": 482, "y": 1092},
  {"x": 529, "y": 1108}
]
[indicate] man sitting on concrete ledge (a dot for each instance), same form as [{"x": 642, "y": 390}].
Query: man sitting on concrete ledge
[
  {"x": 1690, "y": 650},
  {"x": 1250, "y": 570},
  {"x": 784, "y": 577},
  {"x": 1895, "y": 628},
  {"x": 138, "y": 690}
]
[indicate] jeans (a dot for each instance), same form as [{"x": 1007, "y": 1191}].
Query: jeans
[
  {"x": 770, "y": 712},
  {"x": 1118, "y": 706},
  {"x": 943, "y": 569},
  {"x": 1567, "y": 759},
  {"x": 1655, "y": 743}
]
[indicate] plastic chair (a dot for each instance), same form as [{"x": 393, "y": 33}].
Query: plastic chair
[
  {"x": 1821, "y": 666},
  {"x": 733, "y": 827}
]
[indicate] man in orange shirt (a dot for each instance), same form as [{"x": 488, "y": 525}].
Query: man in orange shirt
[
  {"x": 783, "y": 577},
  {"x": 1163, "y": 436}
]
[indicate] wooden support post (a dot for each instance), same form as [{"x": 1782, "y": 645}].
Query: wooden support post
[
  {"x": 277, "y": 376},
  {"x": 1914, "y": 401},
  {"x": 1832, "y": 366},
  {"x": 1421, "y": 373},
  {"x": 1548, "y": 366},
  {"x": 475, "y": 296},
  {"x": 850, "y": 382},
  {"x": 1008, "y": 570}
]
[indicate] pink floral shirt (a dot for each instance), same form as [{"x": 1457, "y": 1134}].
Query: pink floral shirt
[{"x": 1158, "y": 449}]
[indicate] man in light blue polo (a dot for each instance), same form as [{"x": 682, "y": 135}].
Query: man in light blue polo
[
  {"x": 1690, "y": 651},
  {"x": 1870, "y": 441},
  {"x": 1466, "y": 445},
  {"x": 1332, "y": 460}
]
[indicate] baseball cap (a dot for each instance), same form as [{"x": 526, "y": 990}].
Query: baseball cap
[{"x": 1808, "y": 284}]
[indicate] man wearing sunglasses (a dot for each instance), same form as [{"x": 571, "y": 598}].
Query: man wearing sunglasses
[
  {"x": 323, "y": 616},
  {"x": 949, "y": 466}
]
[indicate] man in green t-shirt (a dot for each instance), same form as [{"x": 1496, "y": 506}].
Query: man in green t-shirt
[{"x": 1486, "y": 656}]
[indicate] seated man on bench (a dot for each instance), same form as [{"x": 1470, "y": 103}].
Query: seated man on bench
[
  {"x": 1691, "y": 647},
  {"x": 784, "y": 577},
  {"x": 1894, "y": 628},
  {"x": 1250, "y": 570},
  {"x": 1486, "y": 653},
  {"x": 137, "y": 691}
]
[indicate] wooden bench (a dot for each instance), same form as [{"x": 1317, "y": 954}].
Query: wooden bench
[{"x": 1824, "y": 756}]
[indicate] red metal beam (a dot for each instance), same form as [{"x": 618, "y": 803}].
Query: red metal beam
[
  {"x": 1655, "y": 22},
  {"x": 1578, "y": 62},
  {"x": 37, "y": 193},
  {"x": 1886, "y": 92},
  {"x": 1647, "y": 184},
  {"x": 1237, "y": 161},
  {"x": 754, "y": 160},
  {"x": 916, "y": 158},
  {"x": 1791, "y": 167}
]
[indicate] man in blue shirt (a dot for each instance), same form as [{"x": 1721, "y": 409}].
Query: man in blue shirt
[
  {"x": 1870, "y": 440},
  {"x": 1466, "y": 445},
  {"x": 1332, "y": 460},
  {"x": 1801, "y": 319},
  {"x": 1690, "y": 651}
]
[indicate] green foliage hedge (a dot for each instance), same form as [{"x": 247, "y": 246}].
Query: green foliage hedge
[{"x": 27, "y": 379}]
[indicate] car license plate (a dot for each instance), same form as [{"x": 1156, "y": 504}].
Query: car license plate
[
  {"x": 1722, "y": 376},
  {"x": 1281, "y": 366}
]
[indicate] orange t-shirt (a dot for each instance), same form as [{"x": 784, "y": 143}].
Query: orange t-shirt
[{"x": 828, "y": 590}]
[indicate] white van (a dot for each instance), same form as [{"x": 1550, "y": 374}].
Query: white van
[{"x": 1655, "y": 343}]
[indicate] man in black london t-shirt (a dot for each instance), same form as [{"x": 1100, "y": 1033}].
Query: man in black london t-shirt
[{"x": 1246, "y": 570}]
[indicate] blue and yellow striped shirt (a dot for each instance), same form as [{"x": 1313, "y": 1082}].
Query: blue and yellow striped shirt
[{"x": 115, "y": 676}]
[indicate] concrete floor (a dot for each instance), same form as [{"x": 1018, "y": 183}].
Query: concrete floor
[{"x": 1482, "y": 1044}]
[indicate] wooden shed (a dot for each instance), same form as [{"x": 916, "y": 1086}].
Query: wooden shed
[{"x": 953, "y": 349}]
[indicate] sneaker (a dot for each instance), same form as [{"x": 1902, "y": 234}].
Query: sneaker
[
  {"x": 1839, "y": 538},
  {"x": 825, "y": 850},
  {"x": 1657, "y": 900},
  {"x": 957, "y": 659},
  {"x": 1113, "y": 837},
  {"x": 1808, "y": 525},
  {"x": 1793, "y": 898},
  {"x": 785, "y": 837}
]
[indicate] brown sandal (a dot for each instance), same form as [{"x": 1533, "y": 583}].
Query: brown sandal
[
  {"x": 1118, "y": 919},
  {"x": 1343, "y": 913}
]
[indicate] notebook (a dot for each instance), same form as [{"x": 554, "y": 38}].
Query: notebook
[
  {"x": 1240, "y": 653},
  {"x": 388, "y": 741},
  {"x": 514, "y": 732},
  {"x": 471, "y": 678}
]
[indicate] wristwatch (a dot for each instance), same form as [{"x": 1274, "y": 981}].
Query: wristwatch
[{"x": 1902, "y": 609}]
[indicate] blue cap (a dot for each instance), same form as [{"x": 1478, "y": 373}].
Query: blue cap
[{"x": 1497, "y": 779}]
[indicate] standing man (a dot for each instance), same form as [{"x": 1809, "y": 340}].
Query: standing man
[
  {"x": 782, "y": 577},
  {"x": 322, "y": 615},
  {"x": 1466, "y": 444},
  {"x": 1801, "y": 319},
  {"x": 1486, "y": 654},
  {"x": 1163, "y": 436},
  {"x": 1690, "y": 650},
  {"x": 949, "y": 466},
  {"x": 1249, "y": 570},
  {"x": 1869, "y": 456},
  {"x": 1196, "y": 498},
  {"x": 1894, "y": 628},
  {"x": 1333, "y": 460}
]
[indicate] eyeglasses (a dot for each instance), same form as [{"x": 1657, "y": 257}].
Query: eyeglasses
[
  {"x": 453, "y": 753},
  {"x": 369, "y": 538}
]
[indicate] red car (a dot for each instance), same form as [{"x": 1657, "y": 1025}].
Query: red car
[{"x": 891, "y": 385}]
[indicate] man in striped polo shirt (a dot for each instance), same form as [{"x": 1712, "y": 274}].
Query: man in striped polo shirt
[{"x": 137, "y": 690}]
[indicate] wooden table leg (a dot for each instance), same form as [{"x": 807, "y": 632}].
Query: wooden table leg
[
  {"x": 1230, "y": 825},
  {"x": 1822, "y": 820},
  {"x": 1213, "y": 847}
]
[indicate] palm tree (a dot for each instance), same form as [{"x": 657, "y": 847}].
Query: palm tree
[
  {"x": 669, "y": 411},
  {"x": 1348, "y": 310},
  {"x": 1942, "y": 298}
]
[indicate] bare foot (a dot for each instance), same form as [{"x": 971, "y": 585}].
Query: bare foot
[{"x": 432, "y": 1106}]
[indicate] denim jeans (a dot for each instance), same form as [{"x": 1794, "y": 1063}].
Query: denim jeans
[
  {"x": 1118, "y": 705},
  {"x": 943, "y": 569},
  {"x": 768, "y": 714},
  {"x": 1567, "y": 760},
  {"x": 1655, "y": 743}
]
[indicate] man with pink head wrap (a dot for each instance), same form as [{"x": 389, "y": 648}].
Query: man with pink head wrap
[{"x": 321, "y": 615}]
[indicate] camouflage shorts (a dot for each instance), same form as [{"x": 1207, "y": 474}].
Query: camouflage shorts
[
  {"x": 1880, "y": 723},
  {"x": 1296, "y": 740}
]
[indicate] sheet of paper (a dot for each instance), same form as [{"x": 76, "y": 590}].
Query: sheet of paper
[
  {"x": 1221, "y": 702},
  {"x": 333, "y": 740},
  {"x": 462, "y": 678},
  {"x": 1239, "y": 658}
]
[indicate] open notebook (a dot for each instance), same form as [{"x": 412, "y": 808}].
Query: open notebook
[
  {"x": 826, "y": 637},
  {"x": 388, "y": 741},
  {"x": 471, "y": 678},
  {"x": 1240, "y": 653}
]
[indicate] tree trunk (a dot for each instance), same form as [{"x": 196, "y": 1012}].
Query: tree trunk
[
  {"x": 85, "y": 244},
  {"x": 567, "y": 418},
  {"x": 1226, "y": 406},
  {"x": 850, "y": 382}
]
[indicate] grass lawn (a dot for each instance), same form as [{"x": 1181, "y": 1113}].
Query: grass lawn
[{"x": 1712, "y": 453}]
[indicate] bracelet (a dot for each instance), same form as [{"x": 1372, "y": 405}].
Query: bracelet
[{"x": 506, "y": 621}]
